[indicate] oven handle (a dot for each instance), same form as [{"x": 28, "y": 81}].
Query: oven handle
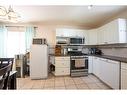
[{"x": 79, "y": 58}]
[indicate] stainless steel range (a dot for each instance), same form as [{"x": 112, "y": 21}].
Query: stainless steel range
[{"x": 79, "y": 63}]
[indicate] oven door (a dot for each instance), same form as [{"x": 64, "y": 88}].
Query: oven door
[{"x": 79, "y": 63}]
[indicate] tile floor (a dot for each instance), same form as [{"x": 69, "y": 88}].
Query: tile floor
[{"x": 66, "y": 82}]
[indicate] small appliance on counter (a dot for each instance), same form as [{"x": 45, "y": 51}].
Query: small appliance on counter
[
  {"x": 58, "y": 50},
  {"x": 64, "y": 51},
  {"x": 98, "y": 52},
  {"x": 95, "y": 51}
]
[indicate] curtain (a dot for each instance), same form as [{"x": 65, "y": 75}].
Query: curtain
[
  {"x": 29, "y": 34},
  {"x": 3, "y": 41}
]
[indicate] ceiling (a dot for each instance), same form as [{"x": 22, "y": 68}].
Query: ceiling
[{"x": 79, "y": 15}]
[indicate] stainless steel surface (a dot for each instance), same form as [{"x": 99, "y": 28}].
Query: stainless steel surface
[
  {"x": 82, "y": 69},
  {"x": 79, "y": 57},
  {"x": 77, "y": 40},
  {"x": 39, "y": 41},
  {"x": 77, "y": 74}
]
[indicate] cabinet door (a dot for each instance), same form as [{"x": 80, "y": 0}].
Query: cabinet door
[
  {"x": 124, "y": 79},
  {"x": 96, "y": 66},
  {"x": 109, "y": 72},
  {"x": 62, "y": 63},
  {"x": 123, "y": 75},
  {"x": 114, "y": 69},
  {"x": 90, "y": 64},
  {"x": 100, "y": 36},
  {"x": 103, "y": 70},
  {"x": 92, "y": 37},
  {"x": 113, "y": 32},
  {"x": 62, "y": 71},
  {"x": 66, "y": 32}
]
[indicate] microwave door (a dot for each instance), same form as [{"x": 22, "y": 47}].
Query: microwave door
[
  {"x": 73, "y": 41},
  {"x": 83, "y": 40}
]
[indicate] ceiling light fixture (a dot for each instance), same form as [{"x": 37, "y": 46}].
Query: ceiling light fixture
[
  {"x": 90, "y": 7},
  {"x": 9, "y": 15}
]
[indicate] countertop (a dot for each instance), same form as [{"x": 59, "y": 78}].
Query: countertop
[
  {"x": 115, "y": 58},
  {"x": 58, "y": 55}
]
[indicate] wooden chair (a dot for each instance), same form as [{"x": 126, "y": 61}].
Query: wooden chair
[{"x": 4, "y": 76}]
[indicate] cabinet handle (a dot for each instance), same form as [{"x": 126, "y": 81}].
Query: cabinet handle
[{"x": 104, "y": 60}]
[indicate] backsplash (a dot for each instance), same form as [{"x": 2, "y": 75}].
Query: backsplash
[{"x": 120, "y": 52}]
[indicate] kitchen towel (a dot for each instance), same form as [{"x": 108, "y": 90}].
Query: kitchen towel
[{"x": 79, "y": 63}]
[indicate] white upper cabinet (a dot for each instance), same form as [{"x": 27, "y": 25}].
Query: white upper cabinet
[
  {"x": 92, "y": 36},
  {"x": 113, "y": 32},
  {"x": 100, "y": 36},
  {"x": 66, "y": 32}
]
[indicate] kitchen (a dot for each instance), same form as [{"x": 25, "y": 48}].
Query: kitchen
[{"x": 77, "y": 57}]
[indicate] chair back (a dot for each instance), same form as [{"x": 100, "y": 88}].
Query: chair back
[
  {"x": 5, "y": 61},
  {"x": 4, "y": 75},
  {"x": 5, "y": 67}
]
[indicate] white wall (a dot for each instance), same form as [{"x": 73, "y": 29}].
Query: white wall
[{"x": 47, "y": 32}]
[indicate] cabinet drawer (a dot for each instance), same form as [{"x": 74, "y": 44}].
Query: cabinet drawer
[
  {"x": 124, "y": 65},
  {"x": 65, "y": 63},
  {"x": 62, "y": 71},
  {"x": 62, "y": 58}
]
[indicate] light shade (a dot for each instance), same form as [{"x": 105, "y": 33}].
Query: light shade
[
  {"x": 3, "y": 11},
  {"x": 9, "y": 14}
]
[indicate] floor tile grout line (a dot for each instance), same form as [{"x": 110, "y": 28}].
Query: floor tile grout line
[{"x": 32, "y": 83}]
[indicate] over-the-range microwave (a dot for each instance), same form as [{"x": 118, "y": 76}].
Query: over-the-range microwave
[{"x": 77, "y": 41}]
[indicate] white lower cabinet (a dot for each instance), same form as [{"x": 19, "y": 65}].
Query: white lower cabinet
[
  {"x": 62, "y": 66},
  {"x": 62, "y": 71},
  {"x": 123, "y": 75},
  {"x": 107, "y": 70},
  {"x": 90, "y": 64},
  {"x": 96, "y": 66}
]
